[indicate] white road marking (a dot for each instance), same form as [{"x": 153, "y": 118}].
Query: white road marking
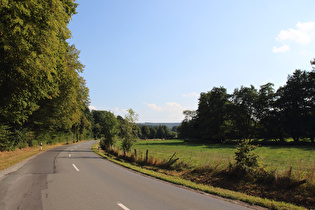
[
  {"x": 75, "y": 167},
  {"x": 69, "y": 155},
  {"x": 122, "y": 206}
]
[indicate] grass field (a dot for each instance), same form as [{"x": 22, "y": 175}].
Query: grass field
[
  {"x": 285, "y": 173},
  {"x": 279, "y": 158}
]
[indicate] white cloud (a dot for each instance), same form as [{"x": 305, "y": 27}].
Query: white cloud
[
  {"x": 173, "y": 106},
  {"x": 303, "y": 34},
  {"x": 193, "y": 94},
  {"x": 154, "y": 107},
  {"x": 284, "y": 48},
  {"x": 171, "y": 111},
  {"x": 168, "y": 107},
  {"x": 92, "y": 108},
  {"x": 118, "y": 111}
]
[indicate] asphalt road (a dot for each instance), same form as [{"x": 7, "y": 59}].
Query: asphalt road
[{"x": 73, "y": 177}]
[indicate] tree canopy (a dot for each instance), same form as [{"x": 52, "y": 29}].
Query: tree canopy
[
  {"x": 41, "y": 89},
  {"x": 249, "y": 113}
]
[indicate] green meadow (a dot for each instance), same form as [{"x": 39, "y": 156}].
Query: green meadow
[{"x": 272, "y": 158}]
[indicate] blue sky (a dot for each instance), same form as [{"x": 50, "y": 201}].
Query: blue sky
[{"x": 156, "y": 57}]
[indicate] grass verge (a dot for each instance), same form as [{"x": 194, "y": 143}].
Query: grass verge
[
  {"x": 10, "y": 158},
  {"x": 270, "y": 204}
]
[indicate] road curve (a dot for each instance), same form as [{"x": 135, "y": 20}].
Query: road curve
[{"x": 73, "y": 177}]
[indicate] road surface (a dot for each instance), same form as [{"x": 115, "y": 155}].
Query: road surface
[{"x": 73, "y": 177}]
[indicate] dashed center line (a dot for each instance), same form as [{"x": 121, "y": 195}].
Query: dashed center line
[
  {"x": 75, "y": 167},
  {"x": 122, "y": 206}
]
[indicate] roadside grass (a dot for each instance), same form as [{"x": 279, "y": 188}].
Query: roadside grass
[
  {"x": 286, "y": 173},
  {"x": 285, "y": 165},
  {"x": 160, "y": 174},
  {"x": 10, "y": 158},
  {"x": 277, "y": 159}
]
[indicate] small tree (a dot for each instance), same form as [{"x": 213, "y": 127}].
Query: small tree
[
  {"x": 129, "y": 136},
  {"x": 246, "y": 159},
  {"x": 109, "y": 130}
]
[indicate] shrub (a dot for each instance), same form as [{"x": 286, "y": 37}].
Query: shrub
[
  {"x": 5, "y": 141},
  {"x": 246, "y": 159}
]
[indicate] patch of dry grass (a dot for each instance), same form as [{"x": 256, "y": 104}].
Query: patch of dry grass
[{"x": 10, "y": 158}]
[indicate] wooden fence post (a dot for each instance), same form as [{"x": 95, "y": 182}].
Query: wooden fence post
[{"x": 147, "y": 156}]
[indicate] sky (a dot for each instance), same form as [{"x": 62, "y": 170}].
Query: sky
[{"x": 156, "y": 57}]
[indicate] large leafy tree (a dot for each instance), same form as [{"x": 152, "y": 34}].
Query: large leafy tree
[
  {"x": 66, "y": 109},
  {"x": 212, "y": 114},
  {"x": 188, "y": 127},
  {"x": 243, "y": 112},
  {"x": 296, "y": 104},
  {"x": 40, "y": 84},
  {"x": 32, "y": 35},
  {"x": 267, "y": 117}
]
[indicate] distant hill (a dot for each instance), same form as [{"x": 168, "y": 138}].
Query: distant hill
[{"x": 169, "y": 125}]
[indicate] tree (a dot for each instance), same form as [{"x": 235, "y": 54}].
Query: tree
[
  {"x": 296, "y": 104},
  {"x": 243, "y": 112},
  {"x": 32, "y": 42},
  {"x": 109, "y": 130},
  {"x": 189, "y": 127},
  {"x": 153, "y": 132},
  {"x": 189, "y": 115},
  {"x": 161, "y": 132},
  {"x": 97, "y": 131},
  {"x": 145, "y": 131},
  {"x": 41, "y": 90},
  {"x": 66, "y": 109},
  {"x": 5, "y": 143},
  {"x": 174, "y": 128},
  {"x": 246, "y": 158},
  {"x": 129, "y": 134},
  {"x": 212, "y": 114},
  {"x": 266, "y": 115}
]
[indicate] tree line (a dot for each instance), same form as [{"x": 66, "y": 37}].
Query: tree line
[
  {"x": 249, "y": 113},
  {"x": 109, "y": 128},
  {"x": 43, "y": 98}
]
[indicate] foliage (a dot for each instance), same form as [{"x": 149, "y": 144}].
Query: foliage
[
  {"x": 212, "y": 114},
  {"x": 5, "y": 133},
  {"x": 296, "y": 103},
  {"x": 109, "y": 130},
  {"x": 243, "y": 112},
  {"x": 129, "y": 130},
  {"x": 246, "y": 159},
  {"x": 43, "y": 96},
  {"x": 145, "y": 130},
  {"x": 249, "y": 113},
  {"x": 153, "y": 132},
  {"x": 160, "y": 132}
]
